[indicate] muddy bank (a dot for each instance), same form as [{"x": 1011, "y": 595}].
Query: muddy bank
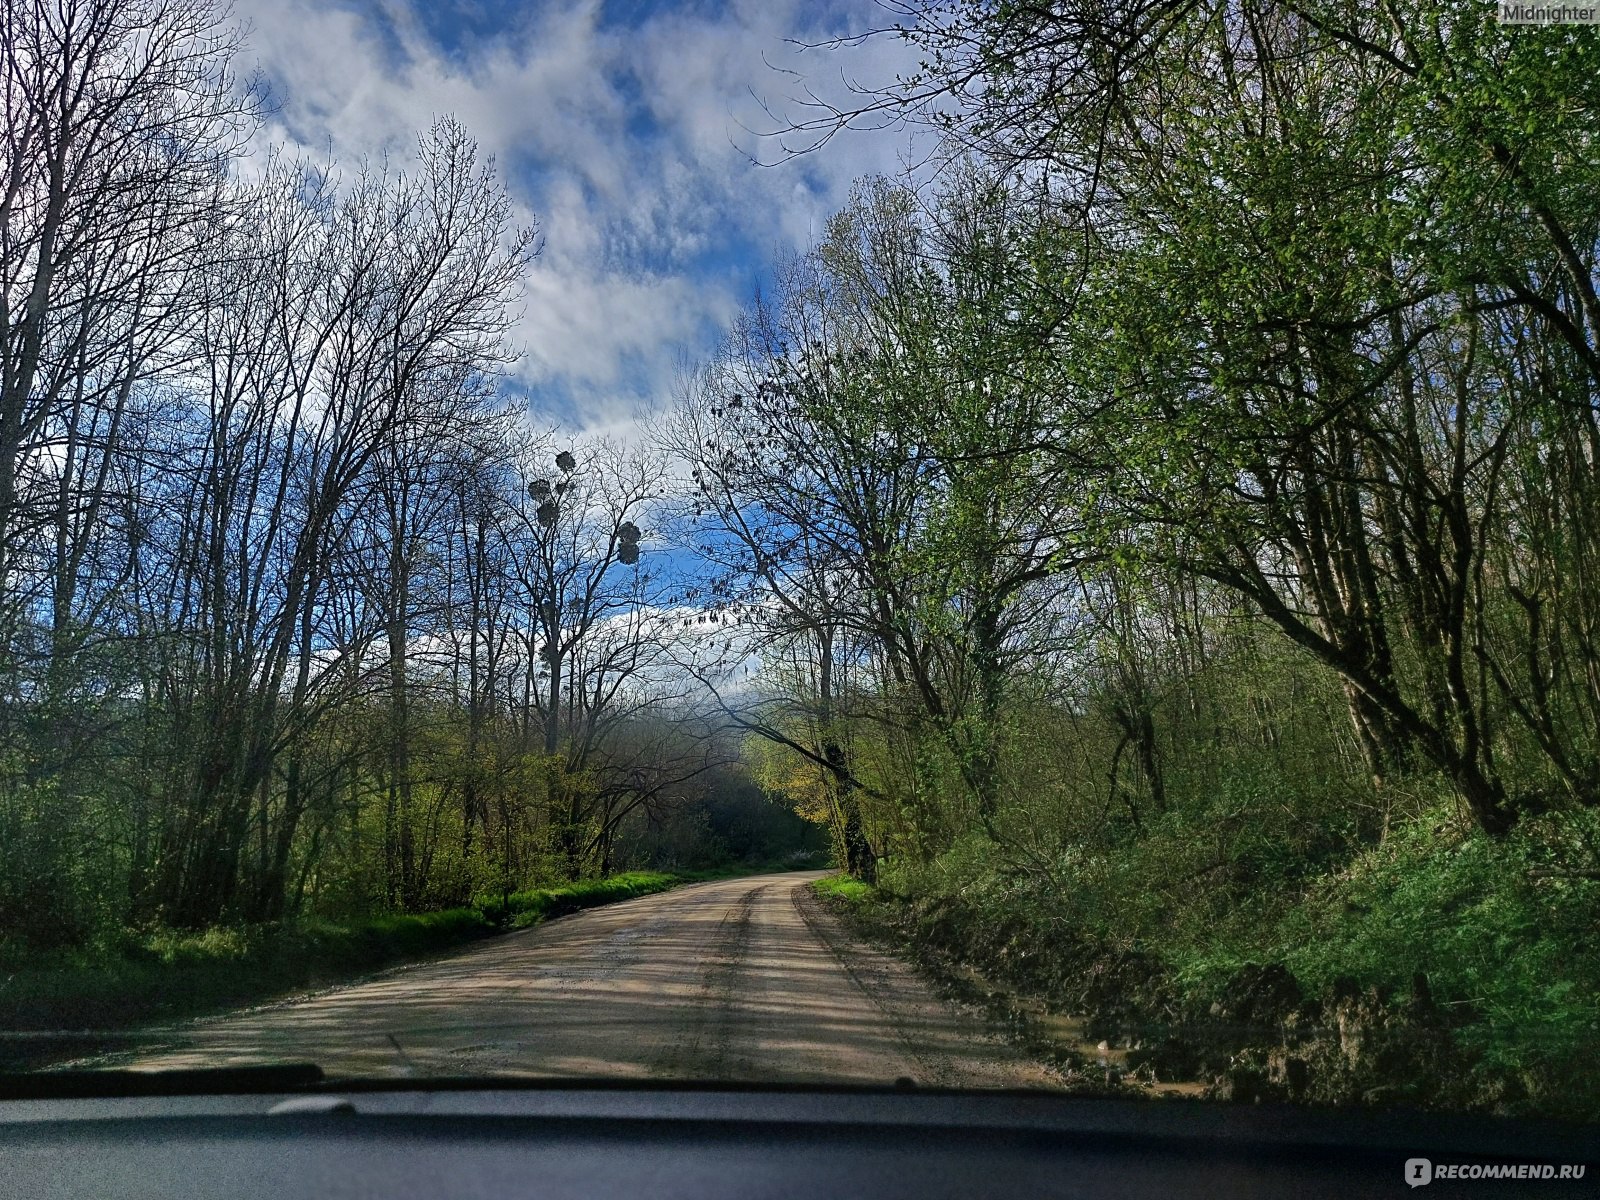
[{"x": 1119, "y": 1021}]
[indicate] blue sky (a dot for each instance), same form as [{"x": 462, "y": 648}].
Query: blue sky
[{"x": 622, "y": 128}]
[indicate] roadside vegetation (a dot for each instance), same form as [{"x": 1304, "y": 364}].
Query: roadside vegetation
[{"x": 1455, "y": 976}]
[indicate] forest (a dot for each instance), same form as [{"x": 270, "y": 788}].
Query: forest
[{"x": 1168, "y": 534}]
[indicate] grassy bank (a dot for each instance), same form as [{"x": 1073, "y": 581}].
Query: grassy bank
[
  {"x": 131, "y": 979},
  {"x": 841, "y": 888},
  {"x": 526, "y": 908},
  {"x": 1457, "y": 973}
]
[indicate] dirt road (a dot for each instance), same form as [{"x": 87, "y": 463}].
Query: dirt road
[{"x": 742, "y": 979}]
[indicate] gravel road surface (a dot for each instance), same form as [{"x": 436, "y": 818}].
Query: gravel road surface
[{"x": 738, "y": 980}]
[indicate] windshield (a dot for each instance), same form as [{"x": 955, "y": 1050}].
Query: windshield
[{"x": 962, "y": 545}]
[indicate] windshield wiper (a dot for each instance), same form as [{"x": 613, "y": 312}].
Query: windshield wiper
[{"x": 78, "y": 1084}]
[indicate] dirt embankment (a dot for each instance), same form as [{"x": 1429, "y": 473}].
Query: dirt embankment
[{"x": 1118, "y": 1023}]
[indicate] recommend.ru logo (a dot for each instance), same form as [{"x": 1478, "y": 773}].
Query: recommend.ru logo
[{"x": 1419, "y": 1171}]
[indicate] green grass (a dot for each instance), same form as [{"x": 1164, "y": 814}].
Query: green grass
[
  {"x": 842, "y": 887},
  {"x": 540, "y": 904}
]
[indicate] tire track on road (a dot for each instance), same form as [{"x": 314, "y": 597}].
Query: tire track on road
[
  {"x": 857, "y": 968},
  {"x": 939, "y": 1041},
  {"x": 717, "y": 1000}
]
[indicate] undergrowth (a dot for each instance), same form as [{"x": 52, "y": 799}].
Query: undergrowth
[{"x": 1437, "y": 967}]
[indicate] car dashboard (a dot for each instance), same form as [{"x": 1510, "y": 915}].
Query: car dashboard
[{"x": 517, "y": 1139}]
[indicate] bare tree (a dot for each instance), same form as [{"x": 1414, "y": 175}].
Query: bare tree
[{"x": 120, "y": 120}]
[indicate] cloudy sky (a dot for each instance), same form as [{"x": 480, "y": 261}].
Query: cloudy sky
[{"x": 626, "y": 127}]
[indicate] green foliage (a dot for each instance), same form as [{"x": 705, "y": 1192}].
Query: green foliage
[
  {"x": 1273, "y": 857},
  {"x": 57, "y": 878},
  {"x": 1502, "y": 932}
]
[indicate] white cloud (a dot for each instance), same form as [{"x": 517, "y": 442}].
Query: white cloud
[{"x": 626, "y": 143}]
